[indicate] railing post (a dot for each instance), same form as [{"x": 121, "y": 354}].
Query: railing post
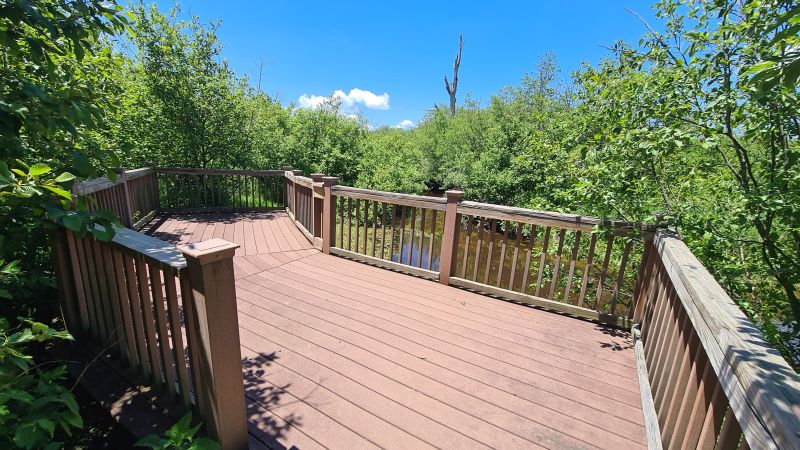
[
  {"x": 127, "y": 212},
  {"x": 316, "y": 207},
  {"x": 286, "y": 186},
  {"x": 328, "y": 214},
  {"x": 156, "y": 195},
  {"x": 449, "y": 235},
  {"x": 220, "y": 383},
  {"x": 295, "y": 195}
]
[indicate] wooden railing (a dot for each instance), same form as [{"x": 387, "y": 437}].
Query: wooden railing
[
  {"x": 708, "y": 378},
  {"x": 300, "y": 203},
  {"x": 163, "y": 314},
  {"x": 579, "y": 265},
  {"x": 713, "y": 380},
  {"x": 220, "y": 190},
  {"x": 397, "y": 231},
  {"x": 133, "y": 196}
]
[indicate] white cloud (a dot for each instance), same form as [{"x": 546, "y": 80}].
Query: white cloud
[
  {"x": 349, "y": 102},
  {"x": 405, "y": 124},
  {"x": 311, "y": 101},
  {"x": 367, "y": 98}
]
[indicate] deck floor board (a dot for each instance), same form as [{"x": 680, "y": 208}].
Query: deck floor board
[{"x": 339, "y": 354}]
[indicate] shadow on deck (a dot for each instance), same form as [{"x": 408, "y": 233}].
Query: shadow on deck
[{"x": 340, "y": 354}]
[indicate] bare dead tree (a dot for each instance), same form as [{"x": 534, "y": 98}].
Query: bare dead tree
[{"x": 451, "y": 89}]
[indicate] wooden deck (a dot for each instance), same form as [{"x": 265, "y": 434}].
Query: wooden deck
[{"x": 339, "y": 354}]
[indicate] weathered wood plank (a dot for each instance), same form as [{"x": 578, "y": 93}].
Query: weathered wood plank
[
  {"x": 417, "y": 201},
  {"x": 547, "y": 218},
  {"x": 763, "y": 390}
]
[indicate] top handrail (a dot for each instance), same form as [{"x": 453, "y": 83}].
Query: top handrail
[
  {"x": 437, "y": 203},
  {"x": 763, "y": 390},
  {"x": 298, "y": 179},
  {"x": 194, "y": 171},
  {"x": 571, "y": 221},
  {"x": 154, "y": 250}
]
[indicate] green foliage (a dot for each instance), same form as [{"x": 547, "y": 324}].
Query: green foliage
[
  {"x": 34, "y": 406},
  {"x": 180, "y": 436},
  {"x": 391, "y": 162},
  {"x": 180, "y": 91},
  {"x": 55, "y": 96}
]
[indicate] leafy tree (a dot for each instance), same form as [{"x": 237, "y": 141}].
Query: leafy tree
[
  {"x": 391, "y": 162},
  {"x": 687, "y": 115},
  {"x": 55, "y": 97},
  {"x": 324, "y": 140},
  {"x": 183, "y": 93}
]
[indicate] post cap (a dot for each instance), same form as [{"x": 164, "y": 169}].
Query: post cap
[
  {"x": 119, "y": 170},
  {"x": 297, "y": 172},
  {"x": 317, "y": 176},
  {"x": 454, "y": 196},
  {"x": 286, "y": 167},
  {"x": 208, "y": 251},
  {"x": 330, "y": 181}
]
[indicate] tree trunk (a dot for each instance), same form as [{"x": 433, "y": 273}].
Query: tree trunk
[{"x": 451, "y": 88}]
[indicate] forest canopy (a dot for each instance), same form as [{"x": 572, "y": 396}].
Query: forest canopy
[{"x": 698, "y": 123}]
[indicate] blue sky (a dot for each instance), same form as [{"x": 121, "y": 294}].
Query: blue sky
[{"x": 389, "y": 59}]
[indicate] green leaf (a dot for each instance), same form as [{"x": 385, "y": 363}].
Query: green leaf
[
  {"x": 72, "y": 222},
  {"x": 48, "y": 425},
  {"x": 39, "y": 169},
  {"x": 151, "y": 441},
  {"x": 184, "y": 424},
  {"x": 27, "y": 436},
  {"x": 64, "y": 177},
  {"x": 205, "y": 443},
  {"x": 60, "y": 192},
  {"x": 104, "y": 234},
  {"x": 82, "y": 164},
  {"x": 73, "y": 419}
]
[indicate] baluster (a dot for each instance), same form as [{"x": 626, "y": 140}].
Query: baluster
[
  {"x": 402, "y": 231},
  {"x": 543, "y": 260},
  {"x": 573, "y": 259},
  {"x": 149, "y": 323},
  {"x": 411, "y": 237},
  {"x": 478, "y": 245},
  {"x": 467, "y": 239},
  {"x": 177, "y": 337},
  {"x": 136, "y": 314},
  {"x": 517, "y": 239},
  {"x": 161, "y": 326},
  {"x": 358, "y": 223},
  {"x": 490, "y": 251},
  {"x": 421, "y": 237},
  {"x": 499, "y": 281},
  {"x": 526, "y": 273},
  {"x": 557, "y": 264},
  {"x": 383, "y": 229},
  {"x": 433, "y": 237},
  {"x": 620, "y": 276},
  {"x": 604, "y": 270},
  {"x": 391, "y": 232},
  {"x": 587, "y": 271}
]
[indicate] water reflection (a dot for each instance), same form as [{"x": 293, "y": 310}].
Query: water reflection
[{"x": 411, "y": 254}]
